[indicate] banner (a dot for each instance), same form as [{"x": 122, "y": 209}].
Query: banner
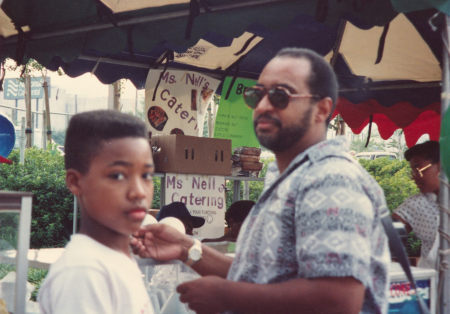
[
  {"x": 180, "y": 101},
  {"x": 234, "y": 119},
  {"x": 204, "y": 196}
]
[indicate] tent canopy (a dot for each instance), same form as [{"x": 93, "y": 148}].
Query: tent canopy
[{"x": 388, "y": 64}]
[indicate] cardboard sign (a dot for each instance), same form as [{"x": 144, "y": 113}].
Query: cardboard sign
[
  {"x": 180, "y": 101},
  {"x": 204, "y": 196},
  {"x": 234, "y": 119},
  {"x": 206, "y": 55}
]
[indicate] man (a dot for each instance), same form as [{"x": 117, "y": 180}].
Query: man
[{"x": 313, "y": 243}]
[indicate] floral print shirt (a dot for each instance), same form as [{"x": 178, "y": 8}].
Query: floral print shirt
[{"x": 322, "y": 220}]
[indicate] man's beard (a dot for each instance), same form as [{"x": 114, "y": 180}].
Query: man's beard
[{"x": 286, "y": 136}]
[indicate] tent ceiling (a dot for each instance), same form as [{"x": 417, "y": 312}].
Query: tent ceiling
[{"x": 375, "y": 48}]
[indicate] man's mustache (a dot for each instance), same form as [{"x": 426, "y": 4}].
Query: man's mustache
[{"x": 267, "y": 117}]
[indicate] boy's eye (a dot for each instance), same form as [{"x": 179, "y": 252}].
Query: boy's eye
[
  {"x": 117, "y": 176},
  {"x": 148, "y": 176}
]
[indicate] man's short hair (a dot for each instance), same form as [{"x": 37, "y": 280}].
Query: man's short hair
[
  {"x": 322, "y": 80},
  {"x": 87, "y": 131},
  {"x": 239, "y": 210},
  {"x": 428, "y": 150}
]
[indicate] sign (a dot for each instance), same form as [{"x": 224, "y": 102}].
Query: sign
[
  {"x": 402, "y": 297},
  {"x": 180, "y": 102},
  {"x": 204, "y": 196},
  {"x": 234, "y": 119},
  {"x": 15, "y": 88}
]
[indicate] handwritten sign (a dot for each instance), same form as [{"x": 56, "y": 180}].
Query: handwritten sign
[
  {"x": 234, "y": 119},
  {"x": 204, "y": 196},
  {"x": 179, "y": 104}
]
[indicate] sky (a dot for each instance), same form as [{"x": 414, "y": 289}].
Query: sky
[{"x": 86, "y": 85}]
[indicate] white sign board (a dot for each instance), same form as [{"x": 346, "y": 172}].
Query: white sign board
[
  {"x": 177, "y": 103},
  {"x": 204, "y": 196}
]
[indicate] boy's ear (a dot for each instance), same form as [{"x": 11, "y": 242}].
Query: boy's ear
[{"x": 73, "y": 181}]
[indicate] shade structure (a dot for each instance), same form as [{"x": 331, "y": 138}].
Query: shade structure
[{"x": 373, "y": 48}]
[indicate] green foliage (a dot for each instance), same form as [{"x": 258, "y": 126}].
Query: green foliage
[
  {"x": 8, "y": 231},
  {"x": 413, "y": 245},
  {"x": 157, "y": 193},
  {"x": 5, "y": 269},
  {"x": 42, "y": 174},
  {"x": 35, "y": 276},
  {"x": 393, "y": 177}
]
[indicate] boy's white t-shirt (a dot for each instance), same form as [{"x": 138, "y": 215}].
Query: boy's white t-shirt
[{"x": 92, "y": 278}]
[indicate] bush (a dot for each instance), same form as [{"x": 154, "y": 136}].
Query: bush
[
  {"x": 393, "y": 177},
  {"x": 42, "y": 174}
]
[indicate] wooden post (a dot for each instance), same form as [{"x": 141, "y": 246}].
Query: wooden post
[
  {"x": 28, "y": 129},
  {"x": 47, "y": 111},
  {"x": 116, "y": 101}
]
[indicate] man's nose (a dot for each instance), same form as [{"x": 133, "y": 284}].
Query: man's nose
[{"x": 264, "y": 105}]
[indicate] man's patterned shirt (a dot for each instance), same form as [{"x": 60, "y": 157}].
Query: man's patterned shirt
[{"x": 322, "y": 220}]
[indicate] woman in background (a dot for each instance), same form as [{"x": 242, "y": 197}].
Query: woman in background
[{"x": 420, "y": 213}]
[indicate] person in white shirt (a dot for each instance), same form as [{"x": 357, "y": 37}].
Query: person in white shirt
[{"x": 109, "y": 168}]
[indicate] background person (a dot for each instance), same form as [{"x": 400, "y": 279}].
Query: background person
[
  {"x": 234, "y": 217},
  {"x": 314, "y": 242},
  {"x": 420, "y": 212},
  {"x": 180, "y": 211},
  {"x": 109, "y": 169}
]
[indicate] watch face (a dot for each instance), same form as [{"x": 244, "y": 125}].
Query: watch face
[{"x": 195, "y": 255}]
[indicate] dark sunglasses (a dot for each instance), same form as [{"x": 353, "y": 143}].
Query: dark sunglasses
[{"x": 279, "y": 96}]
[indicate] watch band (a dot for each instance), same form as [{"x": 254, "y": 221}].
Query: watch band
[{"x": 194, "y": 253}]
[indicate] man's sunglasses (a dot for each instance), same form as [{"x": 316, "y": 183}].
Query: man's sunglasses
[{"x": 279, "y": 96}]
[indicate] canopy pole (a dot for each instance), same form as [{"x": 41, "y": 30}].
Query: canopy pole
[{"x": 444, "y": 260}]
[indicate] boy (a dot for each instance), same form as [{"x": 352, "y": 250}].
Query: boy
[{"x": 109, "y": 169}]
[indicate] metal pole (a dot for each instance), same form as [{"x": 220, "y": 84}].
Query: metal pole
[
  {"x": 23, "y": 244},
  {"x": 22, "y": 142},
  {"x": 246, "y": 191},
  {"x": 28, "y": 130},
  {"x": 47, "y": 111},
  {"x": 15, "y": 117},
  {"x": 444, "y": 270},
  {"x": 36, "y": 115},
  {"x": 44, "y": 127},
  {"x": 75, "y": 215}
]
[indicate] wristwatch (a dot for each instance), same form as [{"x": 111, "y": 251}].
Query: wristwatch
[{"x": 194, "y": 253}]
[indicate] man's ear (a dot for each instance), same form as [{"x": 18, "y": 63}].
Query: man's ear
[
  {"x": 73, "y": 181},
  {"x": 324, "y": 107}
]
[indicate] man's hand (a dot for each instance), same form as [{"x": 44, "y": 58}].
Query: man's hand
[
  {"x": 160, "y": 242},
  {"x": 204, "y": 295}
]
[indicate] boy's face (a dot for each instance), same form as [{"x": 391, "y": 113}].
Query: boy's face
[{"x": 117, "y": 190}]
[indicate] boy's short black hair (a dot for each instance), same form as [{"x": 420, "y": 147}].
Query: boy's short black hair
[
  {"x": 239, "y": 210},
  {"x": 88, "y": 130},
  {"x": 428, "y": 150}
]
